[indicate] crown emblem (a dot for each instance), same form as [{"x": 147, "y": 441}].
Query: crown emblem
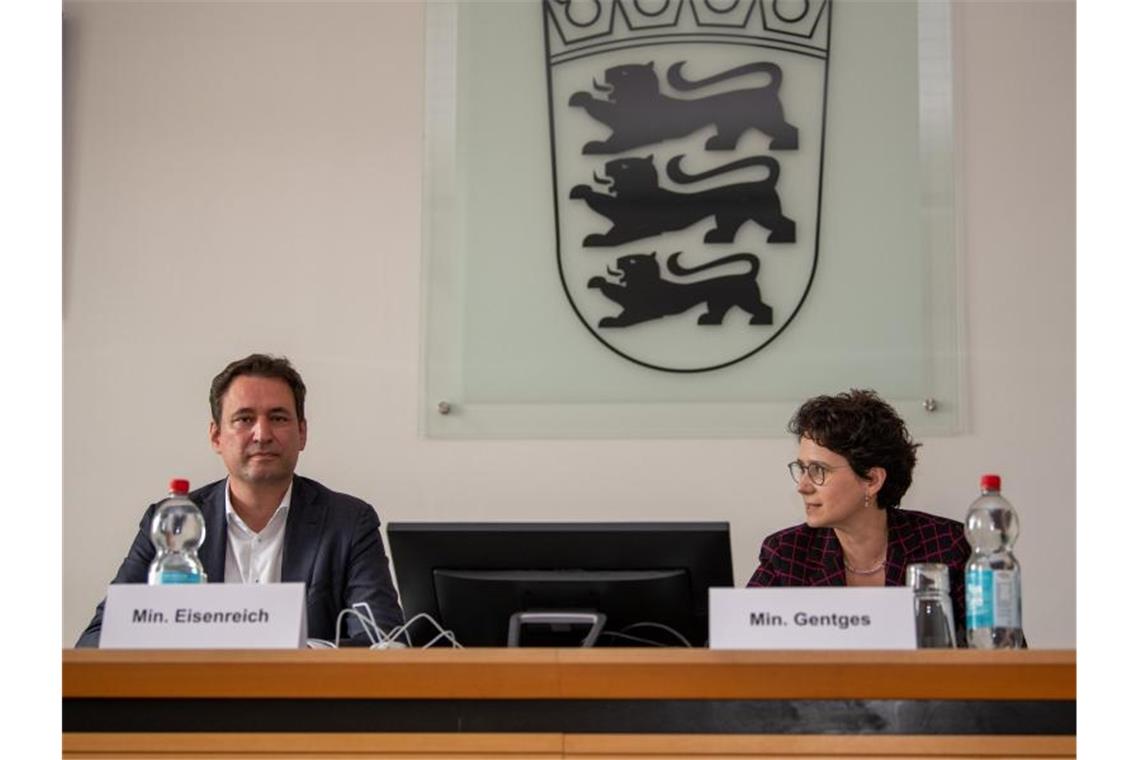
[{"x": 580, "y": 28}]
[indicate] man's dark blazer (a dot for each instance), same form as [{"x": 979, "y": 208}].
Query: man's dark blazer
[{"x": 332, "y": 544}]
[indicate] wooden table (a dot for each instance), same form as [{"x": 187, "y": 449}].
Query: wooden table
[{"x": 568, "y": 702}]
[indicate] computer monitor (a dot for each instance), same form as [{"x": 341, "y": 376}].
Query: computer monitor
[{"x": 649, "y": 580}]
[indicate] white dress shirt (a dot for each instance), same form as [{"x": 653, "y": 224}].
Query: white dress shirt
[{"x": 255, "y": 557}]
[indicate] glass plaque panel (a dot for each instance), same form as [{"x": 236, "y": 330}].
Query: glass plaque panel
[{"x": 681, "y": 218}]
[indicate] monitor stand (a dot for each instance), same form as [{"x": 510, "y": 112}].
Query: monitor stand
[{"x": 560, "y": 622}]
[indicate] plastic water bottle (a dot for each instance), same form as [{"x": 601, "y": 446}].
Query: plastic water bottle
[
  {"x": 177, "y": 531},
  {"x": 993, "y": 576}
]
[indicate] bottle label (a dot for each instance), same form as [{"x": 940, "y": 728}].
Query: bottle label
[
  {"x": 993, "y": 598},
  {"x": 1006, "y": 599},
  {"x": 979, "y": 598},
  {"x": 179, "y": 576}
]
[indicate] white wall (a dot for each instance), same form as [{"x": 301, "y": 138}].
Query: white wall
[{"x": 247, "y": 177}]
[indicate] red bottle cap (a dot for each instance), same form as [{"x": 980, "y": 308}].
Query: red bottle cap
[
  {"x": 178, "y": 485},
  {"x": 991, "y": 482}
]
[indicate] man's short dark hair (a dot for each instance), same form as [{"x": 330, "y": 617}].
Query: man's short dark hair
[
  {"x": 867, "y": 432},
  {"x": 257, "y": 365}
]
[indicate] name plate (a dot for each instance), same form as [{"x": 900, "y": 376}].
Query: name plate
[
  {"x": 811, "y": 618},
  {"x": 204, "y": 616}
]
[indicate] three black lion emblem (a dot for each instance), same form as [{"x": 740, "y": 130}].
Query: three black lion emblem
[
  {"x": 639, "y": 114},
  {"x": 630, "y": 195},
  {"x": 638, "y": 207},
  {"x": 643, "y": 294}
]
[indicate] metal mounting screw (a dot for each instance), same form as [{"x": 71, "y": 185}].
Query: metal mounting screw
[
  {"x": 930, "y": 405},
  {"x": 444, "y": 407}
]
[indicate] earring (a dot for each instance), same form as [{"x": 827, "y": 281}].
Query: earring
[{"x": 866, "y": 500}]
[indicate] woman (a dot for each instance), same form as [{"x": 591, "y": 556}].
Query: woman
[{"x": 855, "y": 463}]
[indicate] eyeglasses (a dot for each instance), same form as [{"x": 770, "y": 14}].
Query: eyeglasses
[{"x": 816, "y": 471}]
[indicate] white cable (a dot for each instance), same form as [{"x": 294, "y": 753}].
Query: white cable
[
  {"x": 368, "y": 610},
  {"x": 377, "y": 637},
  {"x": 319, "y": 644},
  {"x": 380, "y": 640},
  {"x": 365, "y": 623},
  {"x": 638, "y": 639},
  {"x": 663, "y": 627},
  {"x": 443, "y": 634}
]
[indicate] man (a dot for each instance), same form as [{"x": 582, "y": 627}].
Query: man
[{"x": 264, "y": 524}]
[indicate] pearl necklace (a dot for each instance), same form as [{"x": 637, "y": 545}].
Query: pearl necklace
[{"x": 870, "y": 571}]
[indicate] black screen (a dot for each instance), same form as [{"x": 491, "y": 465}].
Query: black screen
[{"x": 650, "y": 580}]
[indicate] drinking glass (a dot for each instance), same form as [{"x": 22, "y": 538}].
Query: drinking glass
[{"x": 933, "y": 610}]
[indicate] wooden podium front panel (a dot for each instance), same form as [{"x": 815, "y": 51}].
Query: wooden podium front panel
[
  {"x": 307, "y": 745},
  {"x": 920, "y": 674},
  {"x": 572, "y": 673},
  {"x": 563, "y": 703},
  {"x": 595, "y": 746}
]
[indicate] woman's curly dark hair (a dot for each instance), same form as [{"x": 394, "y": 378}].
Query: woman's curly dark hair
[{"x": 866, "y": 431}]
